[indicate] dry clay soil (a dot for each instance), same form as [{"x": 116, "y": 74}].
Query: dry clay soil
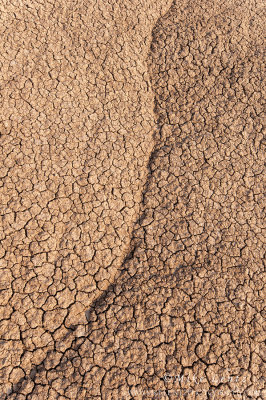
[{"x": 131, "y": 183}]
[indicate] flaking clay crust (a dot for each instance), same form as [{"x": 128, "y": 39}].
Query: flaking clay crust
[{"x": 132, "y": 159}]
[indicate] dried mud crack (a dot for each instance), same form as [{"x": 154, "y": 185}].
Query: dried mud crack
[{"x": 132, "y": 258}]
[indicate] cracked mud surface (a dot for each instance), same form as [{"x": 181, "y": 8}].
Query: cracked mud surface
[{"x": 132, "y": 200}]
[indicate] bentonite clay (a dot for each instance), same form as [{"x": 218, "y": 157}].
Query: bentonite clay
[{"x": 131, "y": 183}]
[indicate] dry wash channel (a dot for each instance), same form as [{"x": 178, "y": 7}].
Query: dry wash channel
[{"x": 76, "y": 132}]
